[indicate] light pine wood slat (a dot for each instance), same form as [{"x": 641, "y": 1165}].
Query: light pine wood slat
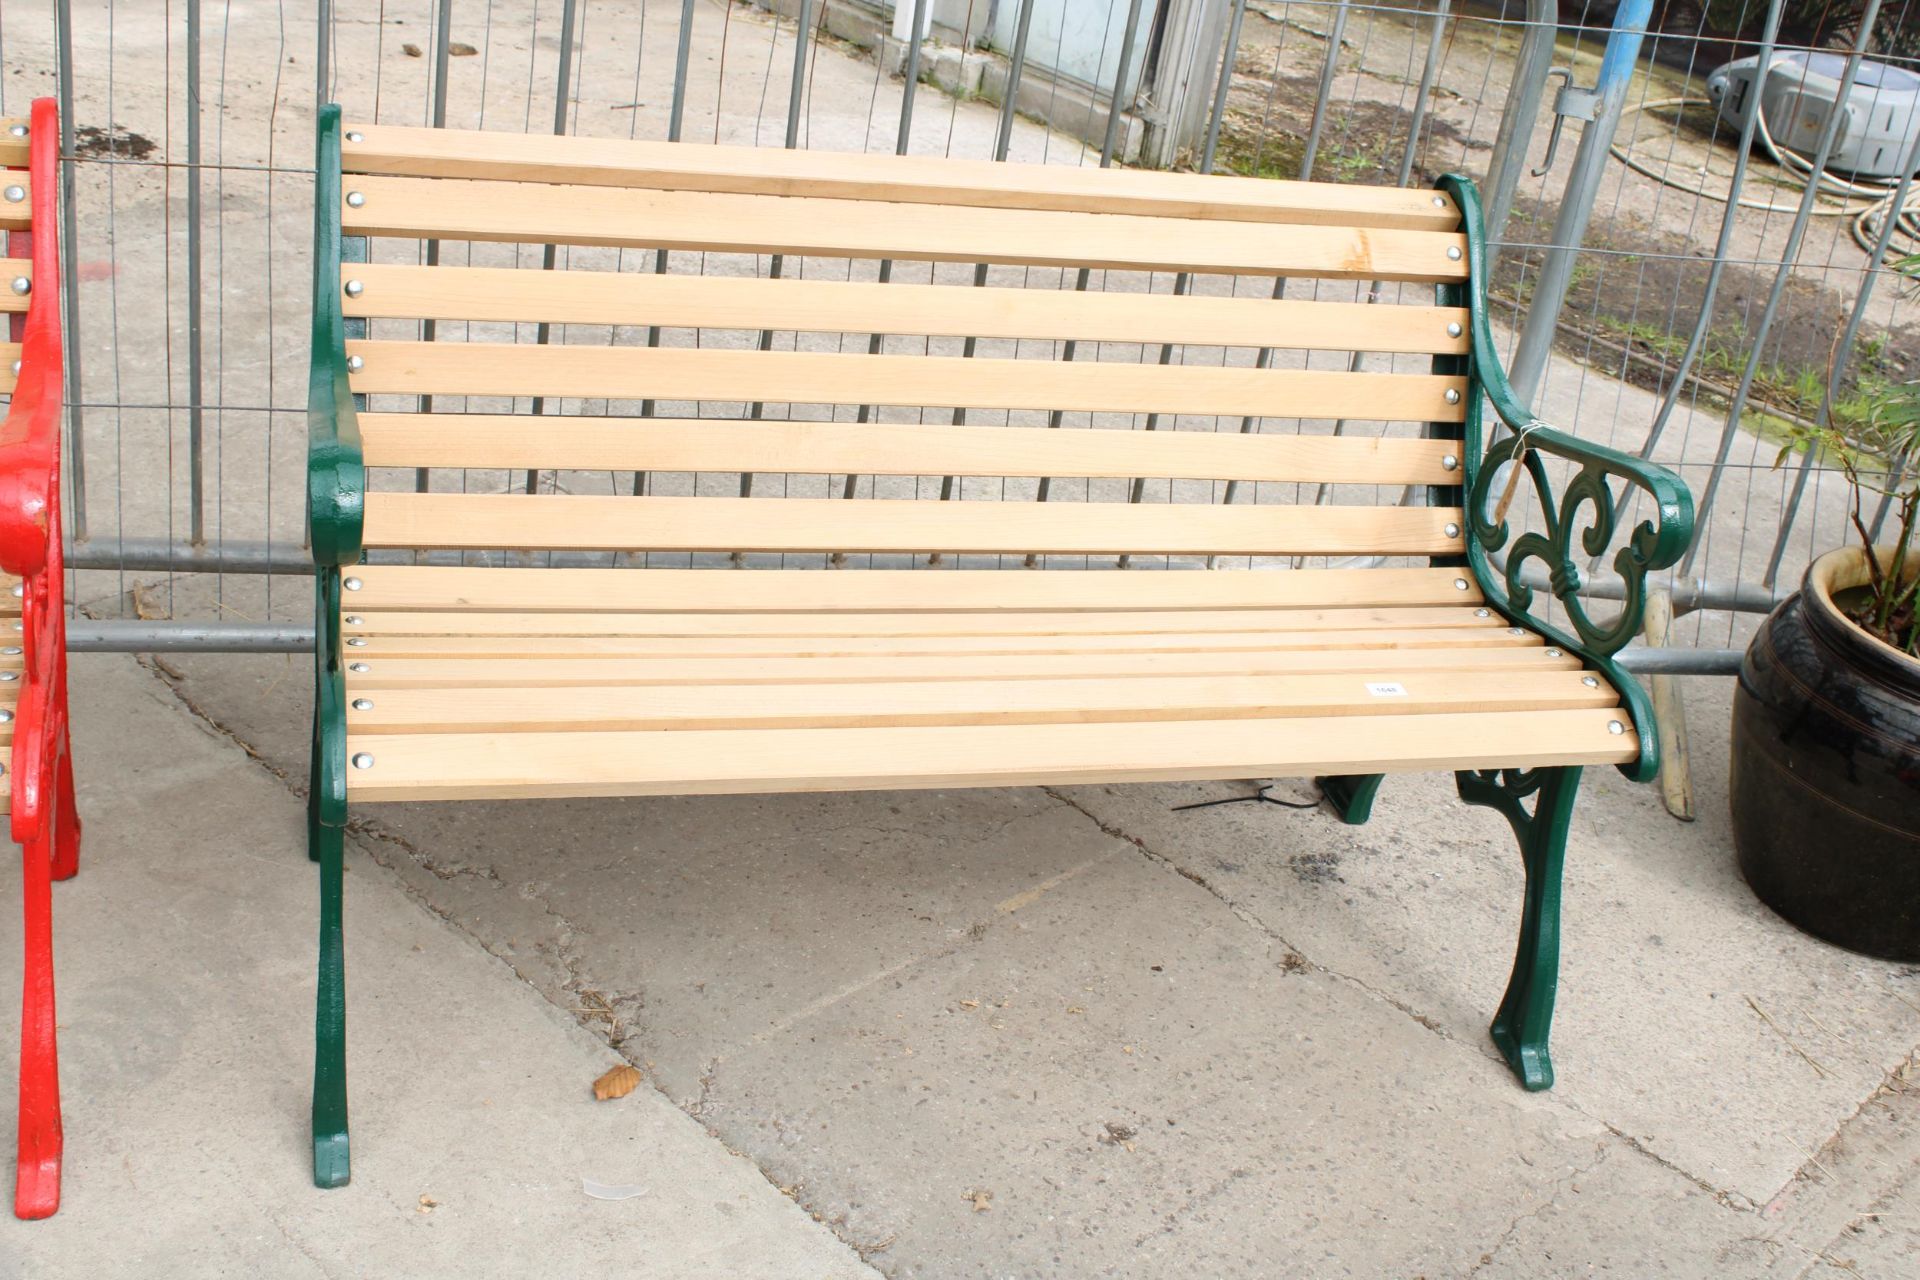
[
  {"x": 9, "y": 353},
  {"x": 688, "y": 166},
  {"x": 893, "y": 449},
  {"x": 960, "y": 702},
  {"x": 16, "y": 215},
  {"x": 1131, "y": 622},
  {"x": 457, "y": 209},
  {"x": 13, "y": 151},
  {"x": 471, "y": 766},
  {"x": 833, "y": 306},
  {"x": 827, "y": 377},
  {"x": 365, "y": 673},
  {"x": 376, "y": 646},
  {"x": 566, "y": 522},
  {"x": 466, "y": 588},
  {"x": 10, "y": 270}
]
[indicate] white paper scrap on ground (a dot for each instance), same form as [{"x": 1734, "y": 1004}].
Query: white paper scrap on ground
[{"x": 611, "y": 1191}]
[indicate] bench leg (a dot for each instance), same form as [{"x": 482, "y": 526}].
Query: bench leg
[
  {"x": 330, "y": 1022},
  {"x": 36, "y": 1191},
  {"x": 1521, "y": 1027},
  {"x": 1351, "y": 795}
]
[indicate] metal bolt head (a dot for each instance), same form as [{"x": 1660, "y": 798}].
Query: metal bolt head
[
  {"x": 355, "y": 199},
  {"x": 1516, "y": 631},
  {"x": 16, "y": 193},
  {"x": 1615, "y": 728},
  {"x": 1459, "y": 584},
  {"x": 9, "y": 676},
  {"x": 355, "y": 364},
  {"x": 352, "y": 619},
  {"x": 1453, "y": 396},
  {"x": 1439, "y": 202},
  {"x": 18, "y": 130},
  {"x": 357, "y": 667},
  {"x": 15, "y": 368},
  {"x": 362, "y": 760},
  {"x": 1451, "y": 530},
  {"x": 1453, "y": 253},
  {"x": 1590, "y": 681},
  {"x": 363, "y": 704},
  {"x": 358, "y": 642},
  {"x": 1449, "y": 463},
  {"x": 22, "y": 285},
  {"x": 11, "y": 649},
  {"x": 354, "y": 135},
  {"x": 355, "y": 288},
  {"x": 1553, "y": 653},
  {"x": 1454, "y": 330},
  {"x": 6, "y": 717},
  {"x": 351, "y": 584},
  {"x": 1483, "y": 613},
  {"x": 19, "y": 589}
]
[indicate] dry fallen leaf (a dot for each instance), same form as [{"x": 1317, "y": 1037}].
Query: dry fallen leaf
[
  {"x": 617, "y": 1083},
  {"x": 969, "y": 1004},
  {"x": 982, "y": 1201},
  {"x": 427, "y": 1204}
]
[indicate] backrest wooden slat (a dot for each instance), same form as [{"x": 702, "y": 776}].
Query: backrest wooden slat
[
  {"x": 832, "y": 306},
  {"x": 685, "y": 166},
  {"x": 460, "y": 209},
  {"x": 13, "y": 150},
  {"x": 892, "y": 449},
  {"x": 453, "y": 521},
  {"x": 809, "y": 377},
  {"x": 15, "y": 269}
]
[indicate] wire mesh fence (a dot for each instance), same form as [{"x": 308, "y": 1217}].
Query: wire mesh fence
[{"x": 1678, "y": 274}]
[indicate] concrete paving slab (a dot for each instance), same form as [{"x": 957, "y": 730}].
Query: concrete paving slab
[
  {"x": 1691, "y": 1019},
  {"x": 185, "y": 974}
]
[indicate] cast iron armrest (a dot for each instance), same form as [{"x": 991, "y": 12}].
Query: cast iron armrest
[{"x": 336, "y": 471}]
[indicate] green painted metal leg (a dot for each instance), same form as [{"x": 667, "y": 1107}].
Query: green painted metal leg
[
  {"x": 1521, "y": 1027},
  {"x": 1351, "y": 795},
  {"x": 330, "y": 1022}
]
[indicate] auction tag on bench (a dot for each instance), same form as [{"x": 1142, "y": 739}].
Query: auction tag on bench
[{"x": 1386, "y": 689}]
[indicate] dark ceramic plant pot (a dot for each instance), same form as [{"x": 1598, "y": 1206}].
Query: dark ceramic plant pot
[{"x": 1826, "y": 771}]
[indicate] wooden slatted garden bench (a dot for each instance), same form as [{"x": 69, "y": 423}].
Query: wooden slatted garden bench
[
  {"x": 485, "y": 664},
  {"x": 38, "y": 795}
]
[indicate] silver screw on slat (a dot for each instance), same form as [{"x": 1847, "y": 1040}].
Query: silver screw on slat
[
  {"x": 351, "y": 584},
  {"x": 358, "y": 642},
  {"x": 9, "y": 676},
  {"x": 355, "y": 199},
  {"x": 18, "y": 130},
  {"x": 354, "y": 135},
  {"x": 11, "y": 649},
  {"x": 357, "y": 667},
  {"x": 1483, "y": 613},
  {"x": 15, "y": 194},
  {"x": 1453, "y": 396},
  {"x": 1453, "y": 252},
  {"x": 22, "y": 285},
  {"x": 1553, "y": 653},
  {"x": 1449, "y": 463},
  {"x": 1454, "y": 330},
  {"x": 355, "y": 364},
  {"x": 355, "y": 288},
  {"x": 1439, "y": 202},
  {"x": 1590, "y": 682},
  {"x": 352, "y": 619},
  {"x": 1452, "y": 530},
  {"x": 363, "y": 704},
  {"x": 1615, "y": 727},
  {"x": 15, "y": 368},
  {"x": 1516, "y": 631},
  {"x": 19, "y": 589},
  {"x": 6, "y": 717},
  {"x": 362, "y": 760},
  {"x": 1459, "y": 584}
]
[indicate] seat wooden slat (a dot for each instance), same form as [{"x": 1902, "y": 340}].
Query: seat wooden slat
[
  {"x": 831, "y": 377},
  {"x": 834, "y": 306},
  {"x": 15, "y": 269},
  {"x": 16, "y": 215},
  {"x": 689, "y": 166},
  {"x": 367, "y": 622},
  {"x": 13, "y": 151},
  {"x": 457, "y": 209},
  {"x": 890, "y": 449},
  {"x": 1373, "y": 664},
  {"x": 697, "y": 761},
  {"x": 465, "y": 588},
  {"x": 590, "y": 647},
  {"x": 9, "y": 356},
  {"x": 568, "y": 522},
  {"x": 629, "y": 708}
]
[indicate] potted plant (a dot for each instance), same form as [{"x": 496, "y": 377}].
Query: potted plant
[{"x": 1825, "y": 784}]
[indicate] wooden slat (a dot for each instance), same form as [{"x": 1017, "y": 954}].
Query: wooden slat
[
  {"x": 712, "y": 444},
  {"x": 460, "y": 766},
  {"x": 1373, "y": 664},
  {"x": 561, "y": 522},
  {"x": 12, "y": 269},
  {"x": 16, "y": 215},
  {"x": 9, "y": 352},
  {"x": 642, "y": 707},
  {"x": 829, "y": 377},
  {"x": 373, "y": 647},
  {"x": 453, "y": 209},
  {"x": 688, "y": 166},
  {"x": 13, "y": 151},
  {"x": 359, "y": 621},
  {"x": 835, "y": 306},
  {"x": 730, "y": 591}
]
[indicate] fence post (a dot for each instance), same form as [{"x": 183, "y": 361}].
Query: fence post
[
  {"x": 1522, "y": 114},
  {"x": 76, "y": 460}
]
